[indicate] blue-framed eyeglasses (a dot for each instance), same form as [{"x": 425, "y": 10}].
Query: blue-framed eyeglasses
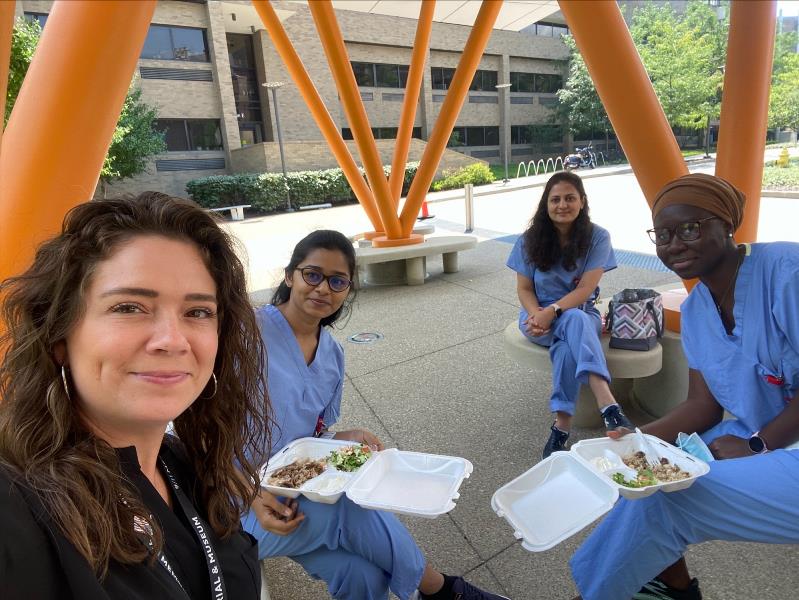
[
  {"x": 686, "y": 232},
  {"x": 314, "y": 277}
]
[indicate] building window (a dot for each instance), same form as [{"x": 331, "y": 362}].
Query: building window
[
  {"x": 474, "y": 136},
  {"x": 382, "y": 133},
  {"x": 183, "y": 135},
  {"x": 547, "y": 84},
  {"x": 380, "y": 75},
  {"x": 441, "y": 77},
  {"x": 166, "y": 42},
  {"x": 484, "y": 81},
  {"x": 520, "y": 134},
  {"x": 536, "y": 134},
  {"x": 546, "y": 29},
  {"x": 521, "y": 82},
  {"x": 40, "y": 18}
]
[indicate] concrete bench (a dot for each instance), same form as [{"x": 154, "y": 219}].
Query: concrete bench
[
  {"x": 406, "y": 264},
  {"x": 625, "y": 367},
  {"x": 236, "y": 212}
]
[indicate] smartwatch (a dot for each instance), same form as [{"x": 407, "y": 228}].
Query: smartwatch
[
  {"x": 558, "y": 310},
  {"x": 757, "y": 445}
]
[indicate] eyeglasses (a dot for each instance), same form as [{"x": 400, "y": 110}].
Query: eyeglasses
[
  {"x": 314, "y": 277},
  {"x": 686, "y": 232}
]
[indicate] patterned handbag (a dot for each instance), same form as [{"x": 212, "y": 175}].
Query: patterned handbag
[{"x": 635, "y": 319}]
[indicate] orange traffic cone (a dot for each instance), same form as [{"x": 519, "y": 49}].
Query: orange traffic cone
[{"x": 425, "y": 212}]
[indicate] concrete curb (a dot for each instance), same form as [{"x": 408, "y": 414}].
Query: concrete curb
[
  {"x": 621, "y": 170},
  {"x": 776, "y": 193}
]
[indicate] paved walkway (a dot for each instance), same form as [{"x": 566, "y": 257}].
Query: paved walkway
[{"x": 439, "y": 381}]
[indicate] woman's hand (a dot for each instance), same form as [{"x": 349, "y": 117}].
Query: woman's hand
[
  {"x": 542, "y": 319},
  {"x": 275, "y": 516},
  {"x": 362, "y": 436},
  {"x": 729, "y": 446}
]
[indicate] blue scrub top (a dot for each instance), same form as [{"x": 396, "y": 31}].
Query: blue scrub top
[
  {"x": 551, "y": 286},
  {"x": 754, "y": 371},
  {"x": 300, "y": 394}
]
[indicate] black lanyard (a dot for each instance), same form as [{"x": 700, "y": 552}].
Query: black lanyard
[{"x": 215, "y": 575}]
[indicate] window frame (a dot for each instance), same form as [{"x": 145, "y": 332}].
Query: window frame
[{"x": 202, "y": 30}]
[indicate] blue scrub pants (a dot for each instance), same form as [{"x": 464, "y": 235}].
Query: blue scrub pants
[
  {"x": 359, "y": 553},
  {"x": 752, "y": 499},
  {"x": 576, "y": 352}
]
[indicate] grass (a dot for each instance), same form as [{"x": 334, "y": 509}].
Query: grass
[{"x": 781, "y": 178}]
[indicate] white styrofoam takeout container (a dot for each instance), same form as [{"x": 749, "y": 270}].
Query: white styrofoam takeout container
[
  {"x": 410, "y": 483},
  {"x": 566, "y": 492},
  {"x": 314, "y": 448}
]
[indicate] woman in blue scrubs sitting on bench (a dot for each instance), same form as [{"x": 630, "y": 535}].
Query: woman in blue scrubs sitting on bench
[
  {"x": 559, "y": 261},
  {"x": 740, "y": 335},
  {"x": 359, "y": 553}
]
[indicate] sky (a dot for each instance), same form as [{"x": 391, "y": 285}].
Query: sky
[{"x": 788, "y": 7}]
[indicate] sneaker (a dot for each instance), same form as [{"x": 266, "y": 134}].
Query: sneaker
[
  {"x": 616, "y": 422},
  {"x": 657, "y": 590},
  {"x": 463, "y": 590},
  {"x": 556, "y": 442}
]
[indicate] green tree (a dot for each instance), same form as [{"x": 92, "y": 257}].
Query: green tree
[
  {"x": 783, "y": 110},
  {"x": 24, "y": 38},
  {"x": 578, "y": 102},
  {"x": 684, "y": 57},
  {"x": 134, "y": 140}
]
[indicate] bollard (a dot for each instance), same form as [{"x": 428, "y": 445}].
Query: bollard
[{"x": 469, "y": 198}]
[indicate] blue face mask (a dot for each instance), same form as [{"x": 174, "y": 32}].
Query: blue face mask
[{"x": 693, "y": 445}]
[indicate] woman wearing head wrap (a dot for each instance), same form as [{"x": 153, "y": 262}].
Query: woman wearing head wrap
[{"x": 740, "y": 334}]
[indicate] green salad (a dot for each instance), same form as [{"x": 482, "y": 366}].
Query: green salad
[
  {"x": 350, "y": 458},
  {"x": 645, "y": 478}
]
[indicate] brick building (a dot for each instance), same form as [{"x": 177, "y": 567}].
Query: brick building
[{"x": 204, "y": 64}]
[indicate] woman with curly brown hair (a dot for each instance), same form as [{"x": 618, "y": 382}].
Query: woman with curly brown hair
[
  {"x": 559, "y": 261},
  {"x": 135, "y": 315}
]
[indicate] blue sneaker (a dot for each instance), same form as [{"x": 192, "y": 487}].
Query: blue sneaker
[
  {"x": 657, "y": 590},
  {"x": 556, "y": 442},
  {"x": 616, "y": 422}
]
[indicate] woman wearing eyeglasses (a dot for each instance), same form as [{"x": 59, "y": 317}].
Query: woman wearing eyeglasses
[
  {"x": 359, "y": 553},
  {"x": 740, "y": 334}
]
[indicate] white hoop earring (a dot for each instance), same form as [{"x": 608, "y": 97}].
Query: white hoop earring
[
  {"x": 213, "y": 376},
  {"x": 64, "y": 381}
]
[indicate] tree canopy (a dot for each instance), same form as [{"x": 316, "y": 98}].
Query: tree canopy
[
  {"x": 134, "y": 139},
  {"x": 784, "y": 100}
]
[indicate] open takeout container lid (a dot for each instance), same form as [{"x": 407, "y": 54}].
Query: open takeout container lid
[
  {"x": 409, "y": 483},
  {"x": 568, "y": 491}
]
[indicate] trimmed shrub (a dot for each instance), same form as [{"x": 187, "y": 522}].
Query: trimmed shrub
[
  {"x": 476, "y": 174},
  {"x": 266, "y": 192}
]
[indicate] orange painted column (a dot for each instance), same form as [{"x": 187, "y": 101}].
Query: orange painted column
[
  {"x": 61, "y": 126},
  {"x": 347, "y": 86},
  {"x": 319, "y": 112},
  {"x": 744, "y": 111},
  {"x": 626, "y": 92},
  {"x": 450, "y": 108},
  {"x": 412, "y": 89},
  {"x": 6, "y": 27}
]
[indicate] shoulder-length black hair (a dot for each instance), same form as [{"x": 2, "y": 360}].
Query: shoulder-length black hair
[
  {"x": 541, "y": 245},
  {"x": 326, "y": 239}
]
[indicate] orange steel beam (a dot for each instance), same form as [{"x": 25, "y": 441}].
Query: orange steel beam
[
  {"x": 61, "y": 125},
  {"x": 450, "y": 108},
  {"x": 344, "y": 77},
  {"x": 319, "y": 112},
  {"x": 744, "y": 112},
  {"x": 6, "y": 28},
  {"x": 412, "y": 89},
  {"x": 626, "y": 92}
]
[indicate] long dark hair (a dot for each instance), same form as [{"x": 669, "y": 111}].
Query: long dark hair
[
  {"x": 541, "y": 244},
  {"x": 325, "y": 239},
  {"x": 45, "y": 444}
]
